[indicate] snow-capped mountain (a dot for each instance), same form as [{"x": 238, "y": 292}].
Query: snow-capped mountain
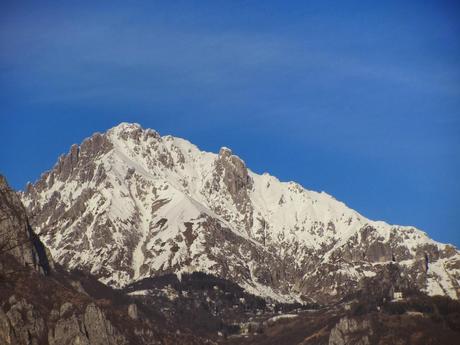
[{"x": 130, "y": 204}]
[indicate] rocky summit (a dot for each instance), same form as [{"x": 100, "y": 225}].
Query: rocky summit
[{"x": 130, "y": 204}]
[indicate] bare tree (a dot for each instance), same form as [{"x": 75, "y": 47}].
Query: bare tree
[{"x": 262, "y": 231}]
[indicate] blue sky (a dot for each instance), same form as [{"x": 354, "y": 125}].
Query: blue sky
[{"x": 359, "y": 99}]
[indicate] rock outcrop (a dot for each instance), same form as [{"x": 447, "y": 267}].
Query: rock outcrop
[
  {"x": 21, "y": 323},
  {"x": 89, "y": 328},
  {"x": 350, "y": 331},
  {"x": 16, "y": 236}
]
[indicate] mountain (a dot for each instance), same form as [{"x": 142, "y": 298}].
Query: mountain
[
  {"x": 41, "y": 303},
  {"x": 130, "y": 204}
]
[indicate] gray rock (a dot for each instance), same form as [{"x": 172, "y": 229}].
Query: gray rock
[
  {"x": 91, "y": 328},
  {"x": 132, "y": 311},
  {"x": 16, "y": 236},
  {"x": 349, "y": 331},
  {"x": 65, "y": 309},
  {"x": 21, "y": 324}
]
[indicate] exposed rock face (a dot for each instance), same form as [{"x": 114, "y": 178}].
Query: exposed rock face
[
  {"x": 132, "y": 311},
  {"x": 130, "y": 204},
  {"x": 231, "y": 178},
  {"x": 21, "y": 323},
  {"x": 350, "y": 331},
  {"x": 91, "y": 328},
  {"x": 16, "y": 236}
]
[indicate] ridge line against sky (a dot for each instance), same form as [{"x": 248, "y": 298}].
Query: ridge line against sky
[{"x": 360, "y": 100}]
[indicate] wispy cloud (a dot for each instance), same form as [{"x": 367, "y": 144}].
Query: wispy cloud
[{"x": 86, "y": 59}]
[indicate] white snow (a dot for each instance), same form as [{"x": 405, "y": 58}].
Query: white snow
[
  {"x": 439, "y": 280},
  {"x": 282, "y": 317}
]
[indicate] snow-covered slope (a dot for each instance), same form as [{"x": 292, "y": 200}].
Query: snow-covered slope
[{"x": 129, "y": 204}]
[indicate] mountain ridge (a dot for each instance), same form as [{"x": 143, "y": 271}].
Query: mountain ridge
[{"x": 160, "y": 205}]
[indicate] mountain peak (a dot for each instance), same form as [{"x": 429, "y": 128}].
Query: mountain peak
[
  {"x": 132, "y": 131},
  {"x": 225, "y": 152},
  {"x": 123, "y": 126}
]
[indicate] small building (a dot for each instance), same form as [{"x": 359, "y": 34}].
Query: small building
[{"x": 397, "y": 296}]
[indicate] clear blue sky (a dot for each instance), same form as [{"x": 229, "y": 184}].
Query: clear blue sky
[{"x": 359, "y": 99}]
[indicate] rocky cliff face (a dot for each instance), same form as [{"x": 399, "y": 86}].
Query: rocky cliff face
[
  {"x": 22, "y": 323},
  {"x": 130, "y": 204},
  {"x": 351, "y": 331},
  {"x": 16, "y": 236},
  {"x": 41, "y": 305}
]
